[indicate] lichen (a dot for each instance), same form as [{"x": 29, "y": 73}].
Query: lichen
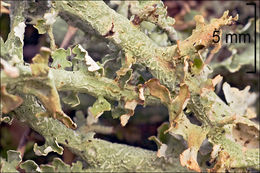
[{"x": 180, "y": 82}]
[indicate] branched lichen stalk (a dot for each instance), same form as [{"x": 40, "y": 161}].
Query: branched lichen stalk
[
  {"x": 97, "y": 153},
  {"x": 13, "y": 48},
  {"x": 166, "y": 64},
  {"x": 81, "y": 82},
  {"x": 97, "y": 16}
]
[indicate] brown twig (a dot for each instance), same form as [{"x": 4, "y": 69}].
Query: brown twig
[
  {"x": 23, "y": 141},
  {"x": 69, "y": 35},
  {"x": 210, "y": 58}
]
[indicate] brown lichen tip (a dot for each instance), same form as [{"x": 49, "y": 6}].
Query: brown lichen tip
[
  {"x": 129, "y": 105},
  {"x": 8, "y": 69},
  {"x": 40, "y": 62},
  {"x": 229, "y": 19},
  {"x": 224, "y": 20},
  {"x": 9, "y": 102},
  {"x": 158, "y": 90},
  {"x": 45, "y": 52},
  {"x": 202, "y": 35}
]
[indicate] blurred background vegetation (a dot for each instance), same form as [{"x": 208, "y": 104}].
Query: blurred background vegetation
[{"x": 232, "y": 62}]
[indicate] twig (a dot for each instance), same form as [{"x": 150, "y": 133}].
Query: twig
[
  {"x": 69, "y": 35},
  {"x": 210, "y": 58},
  {"x": 23, "y": 141}
]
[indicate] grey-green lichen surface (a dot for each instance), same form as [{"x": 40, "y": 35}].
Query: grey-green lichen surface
[{"x": 180, "y": 82}]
